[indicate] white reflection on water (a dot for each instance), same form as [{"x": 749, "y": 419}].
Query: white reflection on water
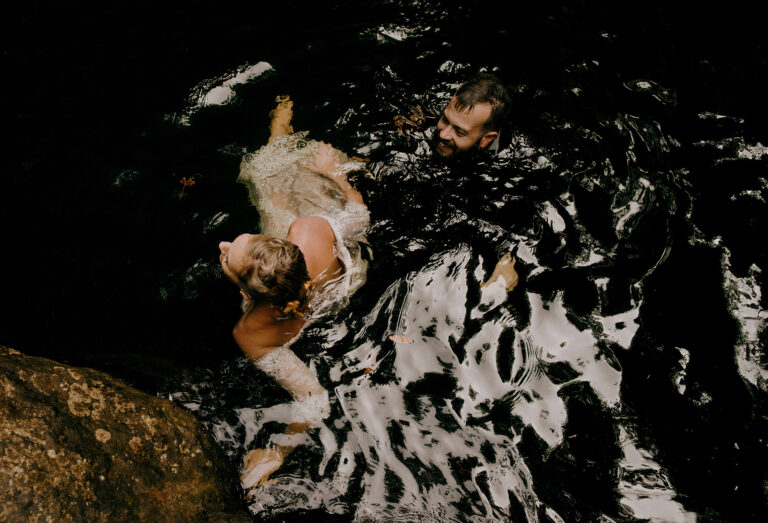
[
  {"x": 744, "y": 302},
  {"x": 220, "y": 90},
  {"x": 411, "y": 437},
  {"x": 428, "y": 451},
  {"x": 645, "y": 487},
  {"x": 460, "y": 463}
]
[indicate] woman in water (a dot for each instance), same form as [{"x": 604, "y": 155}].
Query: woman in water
[{"x": 305, "y": 264}]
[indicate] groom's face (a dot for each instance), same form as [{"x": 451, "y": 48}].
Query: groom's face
[{"x": 460, "y": 130}]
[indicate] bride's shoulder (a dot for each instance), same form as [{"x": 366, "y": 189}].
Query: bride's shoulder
[{"x": 311, "y": 230}]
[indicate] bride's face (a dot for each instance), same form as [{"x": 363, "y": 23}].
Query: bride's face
[{"x": 234, "y": 256}]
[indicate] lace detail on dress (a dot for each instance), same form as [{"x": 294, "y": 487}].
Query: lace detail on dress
[
  {"x": 283, "y": 189},
  {"x": 277, "y": 154}
]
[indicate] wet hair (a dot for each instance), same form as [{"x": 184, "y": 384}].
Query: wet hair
[
  {"x": 275, "y": 272},
  {"x": 484, "y": 88}
]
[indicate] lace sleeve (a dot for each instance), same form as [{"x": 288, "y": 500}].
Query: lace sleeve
[{"x": 311, "y": 399}]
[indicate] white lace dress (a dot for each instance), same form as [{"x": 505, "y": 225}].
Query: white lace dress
[{"x": 283, "y": 189}]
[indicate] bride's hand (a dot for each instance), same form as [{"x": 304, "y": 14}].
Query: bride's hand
[
  {"x": 325, "y": 161},
  {"x": 505, "y": 269}
]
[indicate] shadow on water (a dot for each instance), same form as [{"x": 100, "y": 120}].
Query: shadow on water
[{"x": 624, "y": 379}]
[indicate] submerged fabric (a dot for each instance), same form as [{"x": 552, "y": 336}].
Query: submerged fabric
[{"x": 283, "y": 189}]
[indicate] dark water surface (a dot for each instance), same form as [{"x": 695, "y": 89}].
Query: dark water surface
[{"x": 624, "y": 379}]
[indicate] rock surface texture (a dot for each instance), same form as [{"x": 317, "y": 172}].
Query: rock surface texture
[{"x": 78, "y": 445}]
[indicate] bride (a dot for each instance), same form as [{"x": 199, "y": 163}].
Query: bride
[{"x": 306, "y": 263}]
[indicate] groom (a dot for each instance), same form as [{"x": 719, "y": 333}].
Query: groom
[
  {"x": 471, "y": 123},
  {"x": 472, "y": 119}
]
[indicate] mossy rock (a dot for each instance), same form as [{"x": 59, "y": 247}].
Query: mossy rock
[{"x": 79, "y": 445}]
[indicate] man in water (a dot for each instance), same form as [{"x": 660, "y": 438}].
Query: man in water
[
  {"x": 470, "y": 124},
  {"x": 467, "y": 130},
  {"x": 472, "y": 119}
]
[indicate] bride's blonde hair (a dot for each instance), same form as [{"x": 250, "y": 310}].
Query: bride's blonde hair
[{"x": 276, "y": 273}]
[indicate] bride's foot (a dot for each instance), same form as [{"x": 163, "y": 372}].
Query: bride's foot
[{"x": 281, "y": 117}]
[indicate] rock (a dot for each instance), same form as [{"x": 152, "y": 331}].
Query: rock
[{"x": 76, "y": 444}]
